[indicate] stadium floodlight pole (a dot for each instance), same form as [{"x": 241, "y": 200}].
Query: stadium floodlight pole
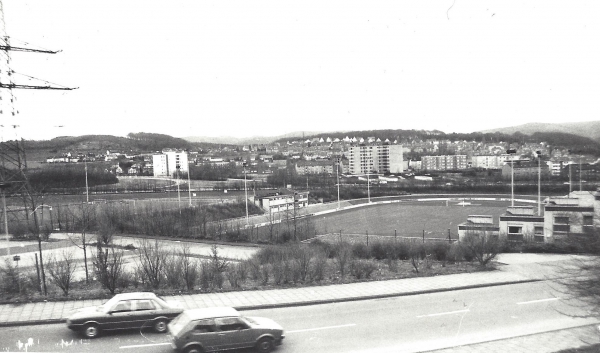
[
  {"x": 368, "y": 186},
  {"x": 337, "y": 171},
  {"x": 3, "y": 186},
  {"x": 246, "y": 191},
  {"x": 539, "y": 155},
  {"x": 189, "y": 185},
  {"x": 580, "y": 173},
  {"x": 511, "y": 152},
  {"x": 87, "y": 190}
]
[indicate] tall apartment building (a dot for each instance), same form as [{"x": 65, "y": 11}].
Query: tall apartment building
[
  {"x": 167, "y": 163},
  {"x": 380, "y": 159},
  {"x": 450, "y": 162}
]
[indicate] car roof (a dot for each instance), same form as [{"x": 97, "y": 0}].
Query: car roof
[
  {"x": 209, "y": 313},
  {"x": 135, "y": 295}
]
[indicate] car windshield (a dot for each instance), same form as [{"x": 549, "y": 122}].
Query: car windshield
[
  {"x": 178, "y": 323},
  {"x": 248, "y": 320}
]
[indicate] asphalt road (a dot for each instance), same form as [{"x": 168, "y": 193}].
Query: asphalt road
[{"x": 402, "y": 324}]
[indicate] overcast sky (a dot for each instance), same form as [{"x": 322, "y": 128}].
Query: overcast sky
[{"x": 247, "y": 68}]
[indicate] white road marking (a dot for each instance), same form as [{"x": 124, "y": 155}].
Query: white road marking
[
  {"x": 320, "y": 328},
  {"x": 146, "y": 345},
  {"x": 446, "y": 313},
  {"x": 538, "y": 301}
]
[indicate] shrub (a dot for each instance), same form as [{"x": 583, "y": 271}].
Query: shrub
[
  {"x": 380, "y": 250},
  {"x": 362, "y": 268},
  {"x": 10, "y": 277},
  {"x": 360, "y": 251},
  {"x": 399, "y": 251},
  {"x": 455, "y": 253},
  {"x": 439, "y": 250},
  {"x": 236, "y": 275}
]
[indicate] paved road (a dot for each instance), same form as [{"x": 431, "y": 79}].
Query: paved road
[{"x": 401, "y": 324}]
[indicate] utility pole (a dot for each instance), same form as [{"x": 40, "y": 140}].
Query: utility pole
[{"x": 12, "y": 153}]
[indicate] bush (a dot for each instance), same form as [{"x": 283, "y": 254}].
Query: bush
[
  {"x": 360, "y": 251},
  {"x": 380, "y": 250},
  {"x": 455, "y": 253},
  {"x": 362, "y": 268},
  {"x": 399, "y": 251},
  {"x": 439, "y": 250}
]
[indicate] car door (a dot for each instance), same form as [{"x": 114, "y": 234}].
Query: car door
[
  {"x": 145, "y": 311},
  {"x": 120, "y": 316},
  {"x": 205, "y": 333},
  {"x": 233, "y": 332}
]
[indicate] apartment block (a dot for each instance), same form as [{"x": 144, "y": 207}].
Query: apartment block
[
  {"x": 448, "y": 162},
  {"x": 169, "y": 162},
  {"x": 378, "y": 158}
]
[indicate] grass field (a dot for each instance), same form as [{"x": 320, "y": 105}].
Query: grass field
[{"x": 409, "y": 219}]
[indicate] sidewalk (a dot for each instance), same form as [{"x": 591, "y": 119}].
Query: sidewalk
[{"x": 511, "y": 272}]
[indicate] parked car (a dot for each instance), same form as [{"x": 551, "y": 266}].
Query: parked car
[
  {"x": 222, "y": 328},
  {"x": 125, "y": 311}
]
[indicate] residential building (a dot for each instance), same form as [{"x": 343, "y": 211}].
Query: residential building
[
  {"x": 315, "y": 167},
  {"x": 446, "y": 162},
  {"x": 169, "y": 162},
  {"x": 365, "y": 159},
  {"x": 522, "y": 170}
]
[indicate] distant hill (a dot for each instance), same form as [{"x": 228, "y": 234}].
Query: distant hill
[
  {"x": 248, "y": 140},
  {"x": 589, "y": 129}
]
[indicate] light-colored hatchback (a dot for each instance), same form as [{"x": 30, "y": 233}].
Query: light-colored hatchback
[{"x": 222, "y": 328}]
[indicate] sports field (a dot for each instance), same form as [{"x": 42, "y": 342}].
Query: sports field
[{"x": 408, "y": 219}]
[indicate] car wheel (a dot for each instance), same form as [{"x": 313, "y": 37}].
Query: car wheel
[
  {"x": 160, "y": 326},
  {"x": 91, "y": 331},
  {"x": 194, "y": 349},
  {"x": 264, "y": 345}
]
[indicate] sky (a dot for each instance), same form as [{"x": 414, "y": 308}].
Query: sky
[{"x": 267, "y": 68}]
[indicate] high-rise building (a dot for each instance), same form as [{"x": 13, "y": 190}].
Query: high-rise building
[
  {"x": 379, "y": 158},
  {"x": 167, "y": 163}
]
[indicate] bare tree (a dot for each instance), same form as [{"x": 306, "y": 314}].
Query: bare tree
[
  {"x": 189, "y": 267},
  {"x": 109, "y": 267},
  {"x": 62, "y": 270},
  {"x": 483, "y": 246},
  {"x": 342, "y": 257},
  {"x": 151, "y": 261},
  {"x": 84, "y": 221}
]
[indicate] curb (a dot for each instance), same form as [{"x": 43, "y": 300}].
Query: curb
[{"x": 313, "y": 302}]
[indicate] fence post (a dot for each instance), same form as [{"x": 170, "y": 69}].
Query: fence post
[
  {"x": 423, "y": 236},
  {"x": 367, "y": 238},
  {"x": 340, "y": 235},
  {"x": 395, "y": 235},
  {"x": 449, "y": 238}
]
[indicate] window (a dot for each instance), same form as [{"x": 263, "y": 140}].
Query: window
[
  {"x": 123, "y": 305},
  {"x": 588, "y": 220},
  {"x": 539, "y": 230},
  {"x": 514, "y": 230},
  {"x": 561, "y": 220},
  {"x": 561, "y": 228},
  {"x": 145, "y": 305},
  {"x": 230, "y": 324},
  {"x": 204, "y": 326}
]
